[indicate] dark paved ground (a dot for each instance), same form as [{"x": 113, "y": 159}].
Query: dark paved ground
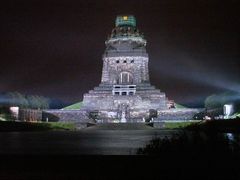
[
  {"x": 111, "y": 139},
  {"x": 69, "y": 155},
  {"x": 121, "y": 126}
]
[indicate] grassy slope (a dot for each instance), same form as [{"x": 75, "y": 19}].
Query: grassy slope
[
  {"x": 2, "y": 118},
  {"x": 74, "y": 106},
  {"x": 5, "y": 117},
  {"x": 236, "y": 115},
  {"x": 179, "y": 106}
]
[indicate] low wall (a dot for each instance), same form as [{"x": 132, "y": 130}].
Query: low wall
[
  {"x": 31, "y": 115},
  {"x": 82, "y": 116},
  {"x": 66, "y": 116},
  {"x": 177, "y": 114}
]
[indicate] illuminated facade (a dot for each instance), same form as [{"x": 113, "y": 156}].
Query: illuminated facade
[{"x": 125, "y": 92}]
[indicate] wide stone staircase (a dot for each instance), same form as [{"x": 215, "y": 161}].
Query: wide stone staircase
[{"x": 120, "y": 126}]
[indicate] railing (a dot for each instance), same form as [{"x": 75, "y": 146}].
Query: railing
[{"x": 120, "y": 89}]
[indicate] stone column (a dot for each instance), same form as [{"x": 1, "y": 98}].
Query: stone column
[
  {"x": 146, "y": 70},
  {"x": 105, "y": 76}
]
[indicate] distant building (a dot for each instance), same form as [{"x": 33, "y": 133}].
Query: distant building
[
  {"x": 14, "y": 110},
  {"x": 228, "y": 110}
]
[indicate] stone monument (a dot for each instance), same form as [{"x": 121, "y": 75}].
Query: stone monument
[{"x": 125, "y": 91}]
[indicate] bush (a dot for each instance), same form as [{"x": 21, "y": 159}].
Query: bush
[{"x": 190, "y": 143}]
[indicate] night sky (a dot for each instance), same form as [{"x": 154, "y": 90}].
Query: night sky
[{"x": 54, "y": 48}]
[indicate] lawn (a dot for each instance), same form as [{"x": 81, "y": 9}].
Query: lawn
[
  {"x": 179, "y": 106},
  {"x": 5, "y": 117},
  {"x": 74, "y": 106}
]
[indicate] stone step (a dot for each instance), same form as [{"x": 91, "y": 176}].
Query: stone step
[{"x": 120, "y": 126}]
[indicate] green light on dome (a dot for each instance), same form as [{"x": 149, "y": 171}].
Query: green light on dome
[{"x": 126, "y": 20}]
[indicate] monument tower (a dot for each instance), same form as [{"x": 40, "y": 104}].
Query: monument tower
[{"x": 125, "y": 93}]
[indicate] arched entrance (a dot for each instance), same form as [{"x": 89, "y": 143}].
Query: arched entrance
[{"x": 125, "y": 78}]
